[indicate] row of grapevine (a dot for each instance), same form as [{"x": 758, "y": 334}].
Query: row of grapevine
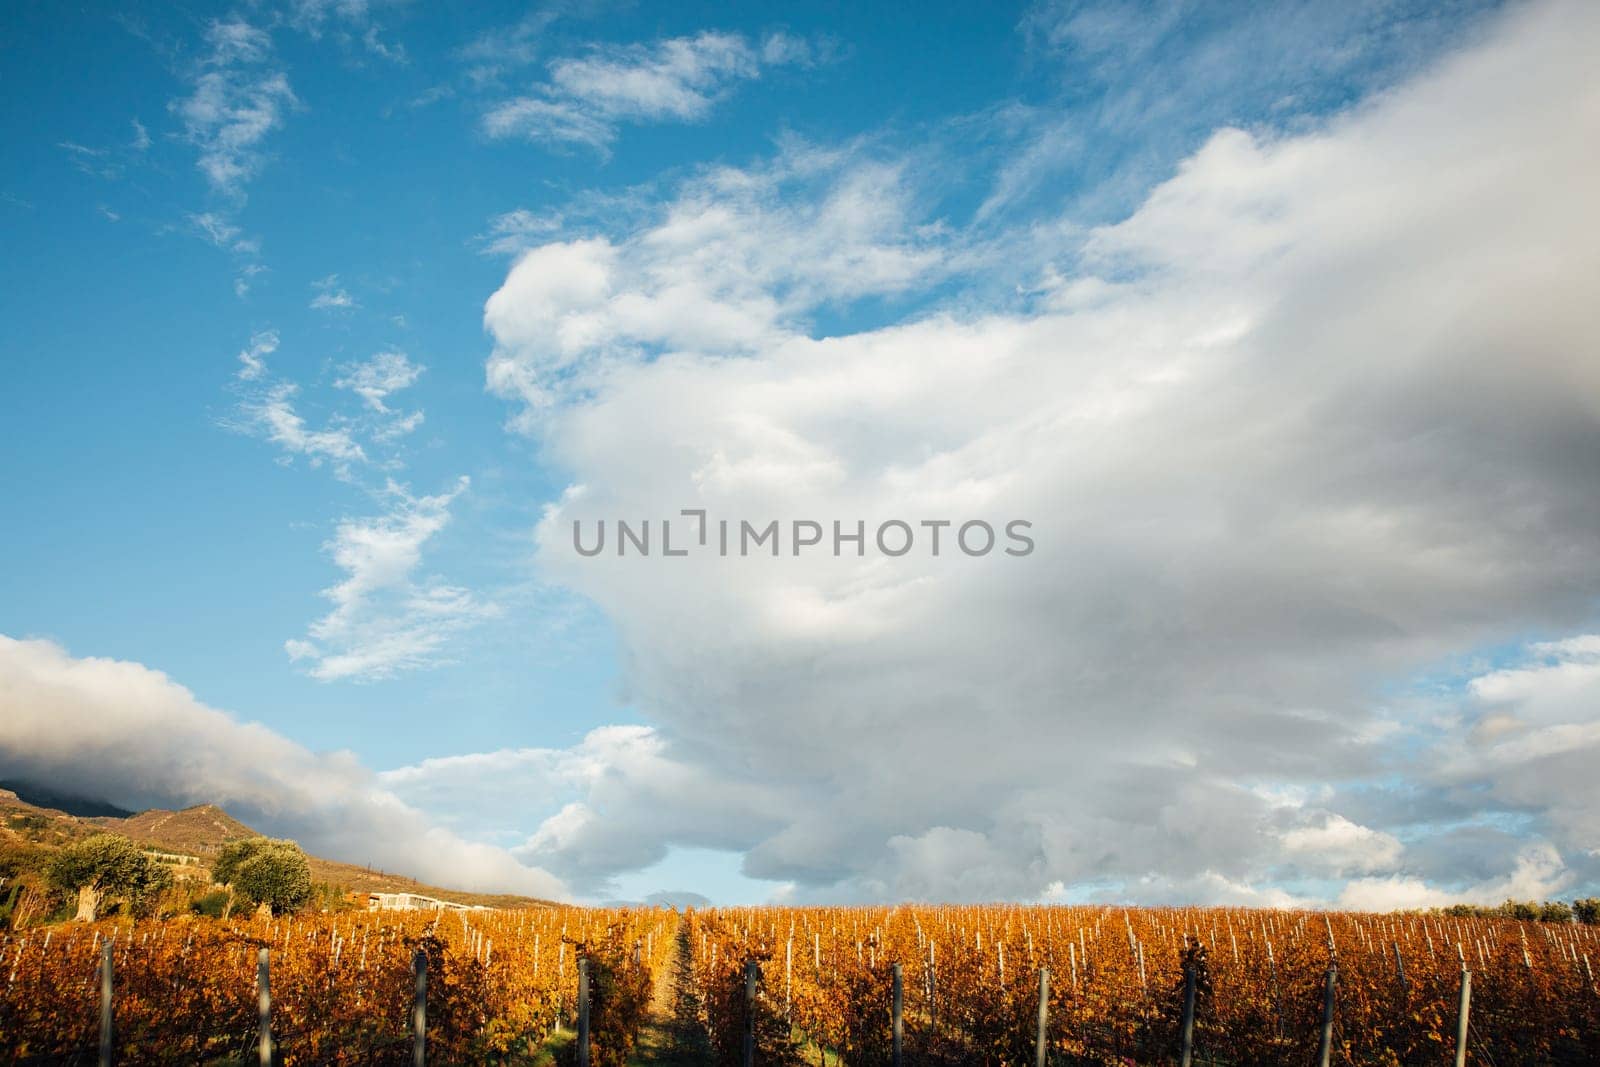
[
  {"x": 1116, "y": 994},
  {"x": 499, "y": 983}
]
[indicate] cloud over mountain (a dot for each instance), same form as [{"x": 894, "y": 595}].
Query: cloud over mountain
[{"x": 142, "y": 740}]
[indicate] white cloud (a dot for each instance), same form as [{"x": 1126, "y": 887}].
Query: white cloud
[
  {"x": 671, "y": 79},
  {"x": 1539, "y": 874},
  {"x": 733, "y": 265},
  {"x": 247, "y": 273},
  {"x": 330, "y": 296},
  {"x": 221, "y": 232},
  {"x": 353, "y": 22},
  {"x": 506, "y": 48},
  {"x": 235, "y": 101},
  {"x": 676, "y": 79},
  {"x": 119, "y": 730},
  {"x": 253, "y": 360},
  {"x": 619, "y": 797},
  {"x": 1341, "y": 846},
  {"x": 386, "y": 619},
  {"x": 397, "y": 427},
  {"x": 1161, "y": 76},
  {"x": 783, "y": 49},
  {"x": 515, "y": 231},
  {"x": 313, "y": 15},
  {"x": 267, "y": 408},
  {"x": 1531, "y": 741},
  {"x": 1319, "y": 413},
  {"x": 379, "y": 377},
  {"x": 271, "y": 413}
]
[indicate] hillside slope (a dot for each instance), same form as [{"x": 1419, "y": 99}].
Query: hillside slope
[{"x": 200, "y": 831}]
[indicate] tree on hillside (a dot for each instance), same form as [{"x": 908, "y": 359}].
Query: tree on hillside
[
  {"x": 266, "y": 871},
  {"x": 1587, "y": 911},
  {"x": 1555, "y": 911},
  {"x": 106, "y": 865}
]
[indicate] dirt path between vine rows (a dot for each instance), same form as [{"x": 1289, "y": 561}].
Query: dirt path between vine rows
[{"x": 673, "y": 1035}]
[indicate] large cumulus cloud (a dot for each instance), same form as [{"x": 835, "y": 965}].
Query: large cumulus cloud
[{"x": 1322, "y": 413}]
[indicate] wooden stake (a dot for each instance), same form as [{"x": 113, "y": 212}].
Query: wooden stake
[
  {"x": 1186, "y": 1049},
  {"x": 750, "y": 977},
  {"x": 896, "y": 1017},
  {"x": 1325, "y": 1054},
  {"x": 263, "y": 1008},
  {"x": 419, "y": 1010},
  {"x": 583, "y": 1011},
  {"x": 107, "y": 1021},
  {"x": 1041, "y": 1043}
]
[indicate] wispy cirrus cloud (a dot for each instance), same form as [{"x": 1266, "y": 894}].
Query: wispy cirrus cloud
[
  {"x": 253, "y": 358},
  {"x": 1164, "y": 75},
  {"x": 93, "y": 161},
  {"x": 490, "y": 56},
  {"x": 374, "y": 381},
  {"x": 331, "y": 296},
  {"x": 237, "y": 97},
  {"x": 585, "y": 99},
  {"x": 353, "y": 22},
  {"x": 267, "y": 409},
  {"x": 516, "y": 231},
  {"x": 273, "y": 415},
  {"x": 386, "y": 619},
  {"x": 220, "y": 231}
]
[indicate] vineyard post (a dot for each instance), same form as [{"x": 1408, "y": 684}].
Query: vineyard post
[
  {"x": 107, "y": 1024},
  {"x": 263, "y": 1008},
  {"x": 750, "y": 974},
  {"x": 419, "y": 1010},
  {"x": 1463, "y": 1007},
  {"x": 583, "y": 1011},
  {"x": 1041, "y": 1043},
  {"x": 1186, "y": 1052},
  {"x": 1277, "y": 1000},
  {"x": 1325, "y": 1055},
  {"x": 897, "y": 1016}
]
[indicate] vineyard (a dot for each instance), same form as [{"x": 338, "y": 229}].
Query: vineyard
[
  {"x": 498, "y": 984},
  {"x": 819, "y": 985},
  {"x": 809, "y": 985}
]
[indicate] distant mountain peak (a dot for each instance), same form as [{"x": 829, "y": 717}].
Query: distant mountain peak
[{"x": 56, "y": 798}]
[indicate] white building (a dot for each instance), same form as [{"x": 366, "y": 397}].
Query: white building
[{"x": 413, "y": 902}]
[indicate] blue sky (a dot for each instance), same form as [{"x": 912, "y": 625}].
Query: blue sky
[{"x": 267, "y": 434}]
